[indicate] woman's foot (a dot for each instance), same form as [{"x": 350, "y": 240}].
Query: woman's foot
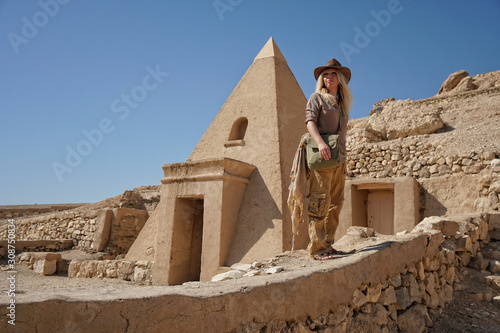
[{"x": 331, "y": 253}]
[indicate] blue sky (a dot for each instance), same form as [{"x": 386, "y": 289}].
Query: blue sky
[{"x": 97, "y": 95}]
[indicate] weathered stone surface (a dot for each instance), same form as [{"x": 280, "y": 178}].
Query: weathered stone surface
[
  {"x": 494, "y": 220},
  {"x": 412, "y": 320},
  {"x": 494, "y": 266},
  {"x": 395, "y": 281},
  {"x": 452, "y": 81},
  {"x": 274, "y": 270},
  {"x": 371, "y": 321},
  {"x": 496, "y": 301},
  {"x": 388, "y": 296},
  {"x": 232, "y": 274},
  {"x": 447, "y": 227},
  {"x": 396, "y": 120},
  {"x": 339, "y": 315},
  {"x": 479, "y": 263},
  {"x": 358, "y": 299},
  {"x": 402, "y": 298},
  {"x": 45, "y": 267},
  {"x": 373, "y": 293},
  {"x": 463, "y": 243},
  {"x": 241, "y": 267}
]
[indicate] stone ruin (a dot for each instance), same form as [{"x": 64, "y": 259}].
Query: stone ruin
[{"x": 409, "y": 204}]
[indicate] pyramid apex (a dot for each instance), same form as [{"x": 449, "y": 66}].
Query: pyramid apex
[{"x": 270, "y": 50}]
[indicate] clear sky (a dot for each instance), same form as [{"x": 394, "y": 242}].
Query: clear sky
[{"x": 97, "y": 95}]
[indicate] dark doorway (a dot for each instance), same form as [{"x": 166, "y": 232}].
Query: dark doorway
[{"x": 187, "y": 239}]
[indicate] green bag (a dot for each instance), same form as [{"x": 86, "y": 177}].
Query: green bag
[{"x": 314, "y": 160}]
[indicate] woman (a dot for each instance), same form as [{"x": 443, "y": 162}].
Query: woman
[{"x": 327, "y": 111}]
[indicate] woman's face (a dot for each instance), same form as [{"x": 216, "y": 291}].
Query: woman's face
[{"x": 330, "y": 80}]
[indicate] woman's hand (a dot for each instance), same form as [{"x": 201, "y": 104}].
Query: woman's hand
[{"x": 324, "y": 151}]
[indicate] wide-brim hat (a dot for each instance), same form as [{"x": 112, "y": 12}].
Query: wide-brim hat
[{"x": 335, "y": 64}]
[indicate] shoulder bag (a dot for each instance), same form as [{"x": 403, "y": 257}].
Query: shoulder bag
[{"x": 314, "y": 159}]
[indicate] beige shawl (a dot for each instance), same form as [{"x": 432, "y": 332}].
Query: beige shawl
[{"x": 298, "y": 188}]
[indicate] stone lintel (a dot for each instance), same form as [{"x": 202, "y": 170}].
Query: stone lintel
[{"x": 206, "y": 170}]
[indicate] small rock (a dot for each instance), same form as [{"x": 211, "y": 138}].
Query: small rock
[
  {"x": 252, "y": 272},
  {"x": 261, "y": 263},
  {"x": 496, "y": 301},
  {"x": 234, "y": 274},
  {"x": 494, "y": 266},
  {"x": 274, "y": 270},
  {"x": 241, "y": 267}
]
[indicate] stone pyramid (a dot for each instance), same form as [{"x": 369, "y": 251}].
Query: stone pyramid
[{"x": 261, "y": 123}]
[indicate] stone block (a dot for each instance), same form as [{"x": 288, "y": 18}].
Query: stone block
[
  {"x": 393, "y": 313},
  {"x": 126, "y": 268},
  {"x": 412, "y": 320},
  {"x": 339, "y": 315},
  {"x": 496, "y": 301},
  {"x": 358, "y": 299},
  {"x": 402, "y": 298},
  {"x": 494, "y": 220},
  {"x": 431, "y": 264},
  {"x": 434, "y": 300},
  {"x": 430, "y": 282},
  {"x": 493, "y": 281},
  {"x": 463, "y": 243},
  {"x": 388, "y": 296},
  {"x": 102, "y": 229},
  {"x": 45, "y": 267},
  {"x": 420, "y": 270},
  {"x": 447, "y": 227},
  {"x": 395, "y": 281},
  {"x": 483, "y": 230},
  {"x": 373, "y": 293},
  {"x": 479, "y": 263},
  {"x": 435, "y": 239},
  {"x": 377, "y": 317},
  {"x": 494, "y": 266}
]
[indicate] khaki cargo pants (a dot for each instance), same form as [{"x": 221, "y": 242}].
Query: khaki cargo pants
[{"x": 326, "y": 197}]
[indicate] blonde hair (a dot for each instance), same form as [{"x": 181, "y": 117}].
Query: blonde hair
[{"x": 344, "y": 95}]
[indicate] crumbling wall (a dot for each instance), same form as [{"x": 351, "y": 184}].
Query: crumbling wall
[
  {"x": 113, "y": 231},
  {"x": 78, "y": 226},
  {"x": 393, "y": 283},
  {"x": 138, "y": 272}
]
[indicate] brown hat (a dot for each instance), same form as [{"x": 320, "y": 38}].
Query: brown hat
[{"x": 333, "y": 63}]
